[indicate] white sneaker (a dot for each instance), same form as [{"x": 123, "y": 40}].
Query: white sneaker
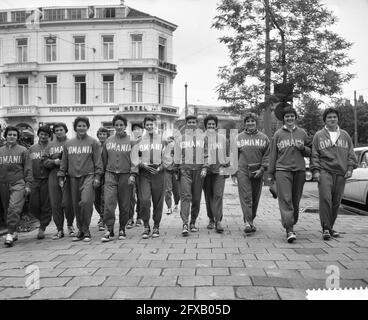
[{"x": 9, "y": 240}]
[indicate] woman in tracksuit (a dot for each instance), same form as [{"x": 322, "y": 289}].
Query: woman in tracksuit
[
  {"x": 289, "y": 145},
  {"x": 15, "y": 180},
  {"x": 253, "y": 152},
  {"x": 39, "y": 198},
  {"x": 60, "y": 199},
  {"x": 214, "y": 182},
  {"x": 333, "y": 161},
  {"x": 119, "y": 175},
  {"x": 81, "y": 161}
]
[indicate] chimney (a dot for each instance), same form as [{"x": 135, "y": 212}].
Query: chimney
[{"x": 121, "y": 2}]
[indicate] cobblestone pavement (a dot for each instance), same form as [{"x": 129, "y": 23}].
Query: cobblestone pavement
[{"x": 205, "y": 265}]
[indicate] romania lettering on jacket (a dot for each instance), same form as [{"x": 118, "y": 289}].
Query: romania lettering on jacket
[
  {"x": 113, "y": 146},
  {"x": 191, "y": 144},
  {"x": 327, "y": 143},
  {"x": 252, "y": 143},
  {"x": 37, "y": 155},
  {"x": 288, "y": 143},
  {"x": 80, "y": 150},
  {"x": 10, "y": 159},
  {"x": 150, "y": 146},
  {"x": 56, "y": 149}
]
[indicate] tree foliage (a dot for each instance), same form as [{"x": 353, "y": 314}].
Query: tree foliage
[
  {"x": 315, "y": 55},
  {"x": 310, "y": 116}
]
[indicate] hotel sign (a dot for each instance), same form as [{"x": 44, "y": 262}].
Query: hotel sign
[{"x": 71, "y": 109}]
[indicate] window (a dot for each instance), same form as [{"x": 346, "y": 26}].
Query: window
[
  {"x": 77, "y": 13},
  {"x": 50, "y": 49},
  {"x": 54, "y": 14},
  {"x": 108, "y": 47},
  {"x": 51, "y": 88},
  {"x": 80, "y": 89},
  {"x": 137, "y": 86},
  {"x": 108, "y": 89},
  {"x": 161, "y": 48},
  {"x": 22, "y": 49},
  {"x": 136, "y": 46},
  {"x": 161, "y": 89},
  {"x": 3, "y": 17},
  {"x": 23, "y": 96},
  {"x": 109, "y": 12},
  {"x": 80, "y": 48},
  {"x": 18, "y": 16}
]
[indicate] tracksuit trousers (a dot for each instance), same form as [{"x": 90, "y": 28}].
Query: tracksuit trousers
[
  {"x": 289, "y": 192},
  {"x": 83, "y": 196},
  {"x": 39, "y": 202},
  {"x": 99, "y": 200},
  {"x": 151, "y": 187},
  {"x": 60, "y": 201},
  {"x": 213, "y": 187},
  {"x": 191, "y": 185},
  {"x": 134, "y": 201},
  {"x": 172, "y": 188},
  {"x": 250, "y": 190},
  {"x": 331, "y": 187},
  {"x": 12, "y": 201},
  {"x": 117, "y": 192}
]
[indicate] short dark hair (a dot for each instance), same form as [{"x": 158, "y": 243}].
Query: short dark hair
[
  {"x": 102, "y": 129},
  {"x": 119, "y": 117},
  {"x": 190, "y": 117},
  {"x": 46, "y": 129},
  {"x": 289, "y": 109},
  {"x": 80, "y": 119},
  {"x": 208, "y": 118},
  {"x": 58, "y": 125},
  {"x": 330, "y": 110},
  {"x": 139, "y": 125},
  {"x": 250, "y": 115},
  {"x": 148, "y": 118},
  {"x": 11, "y": 128}
]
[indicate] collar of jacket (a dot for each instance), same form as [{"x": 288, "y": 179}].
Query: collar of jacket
[
  {"x": 284, "y": 127},
  {"x": 247, "y": 131},
  {"x": 124, "y": 134},
  {"x": 10, "y": 146},
  {"x": 82, "y": 138},
  {"x": 337, "y": 129}
]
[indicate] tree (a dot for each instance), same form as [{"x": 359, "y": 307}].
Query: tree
[
  {"x": 310, "y": 115},
  {"x": 315, "y": 55}
]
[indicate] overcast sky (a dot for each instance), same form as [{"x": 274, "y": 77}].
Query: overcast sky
[{"x": 198, "y": 54}]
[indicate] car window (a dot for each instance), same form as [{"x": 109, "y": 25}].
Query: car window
[{"x": 364, "y": 160}]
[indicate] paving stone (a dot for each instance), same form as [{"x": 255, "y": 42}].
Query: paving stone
[
  {"x": 178, "y": 271},
  {"x": 215, "y": 293},
  {"x": 134, "y": 293},
  {"x": 76, "y": 272},
  {"x": 51, "y": 273},
  {"x": 196, "y": 250},
  {"x": 134, "y": 264},
  {"x": 247, "y": 272},
  {"x": 15, "y": 293},
  {"x": 95, "y": 293},
  {"x": 195, "y": 281},
  {"x": 292, "y": 265},
  {"x": 271, "y": 282},
  {"x": 228, "y": 263},
  {"x": 13, "y": 273},
  {"x": 198, "y": 263},
  {"x": 310, "y": 251},
  {"x": 360, "y": 264},
  {"x": 103, "y": 264},
  {"x": 300, "y": 257},
  {"x": 112, "y": 271},
  {"x": 158, "y": 281},
  {"x": 153, "y": 257},
  {"x": 212, "y": 271},
  {"x": 287, "y": 274},
  {"x": 177, "y": 293},
  {"x": 53, "y": 282},
  {"x": 68, "y": 257},
  {"x": 256, "y": 293},
  {"x": 292, "y": 294},
  {"x": 73, "y": 264},
  {"x": 85, "y": 281},
  {"x": 14, "y": 282},
  {"x": 270, "y": 257},
  {"x": 240, "y": 256},
  {"x": 332, "y": 256},
  {"x": 190, "y": 256},
  {"x": 165, "y": 264},
  {"x": 122, "y": 281},
  {"x": 54, "y": 293},
  {"x": 261, "y": 264},
  {"x": 232, "y": 281},
  {"x": 144, "y": 272}
]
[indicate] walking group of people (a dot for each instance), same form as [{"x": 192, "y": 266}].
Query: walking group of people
[{"x": 65, "y": 177}]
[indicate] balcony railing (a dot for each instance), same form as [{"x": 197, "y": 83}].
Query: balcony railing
[
  {"x": 146, "y": 63},
  {"x": 20, "y": 67},
  {"x": 148, "y": 108},
  {"x": 21, "y": 111}
]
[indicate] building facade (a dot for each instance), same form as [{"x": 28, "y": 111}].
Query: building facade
[{"x": 57, "y": 63}]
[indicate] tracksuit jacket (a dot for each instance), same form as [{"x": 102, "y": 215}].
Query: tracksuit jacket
[
  {"x": 81, "y": 160},
  {"x": 190, "y": 156},
  {"x": 288, "y": 165},
  {"x": 332, "y": 161},
  {"x": 117, "y": 164},
  {"x": 15, "y": 175},
  {"x": 253, "y": 150},
  {"x": 60, "y": 199},
  {"x": 151, "y": 150},
  {"x": 39, "y": 198}
]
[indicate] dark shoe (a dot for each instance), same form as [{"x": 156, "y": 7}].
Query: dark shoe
[
  {"x": 71, "y": 231},
  {"x": 41, "y": 234},
  {"x": 211, "y": 225},
  {"x": 155, "y": 232},
  {"x": 193, "y": 228},
  {"x": 108, "y": 236},
  {"x": 146, "y": 233},
  {"x": 15, "y": 236},
  {"x": 185, "y": 231},
  {"x": 138, "y": 223},
  {"x": 219, "y": 228},
  {"x": 9, "y": 240},
  {"x": 247, "y": 228},
  {"x": 130, "y": 224},
  {"x": 58, "y": 235},
  {"x": 290, "y": 236},
  {"x": 326, "y": 235},
  {"x": 122, "y": 235},
  {"x": 334, "y": 234},
  {"x": 78, "y": 236},
  {"x": 87, "y": 237}
]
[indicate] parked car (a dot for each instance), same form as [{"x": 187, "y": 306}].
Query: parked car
[{"x": 356, "y": 188}]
